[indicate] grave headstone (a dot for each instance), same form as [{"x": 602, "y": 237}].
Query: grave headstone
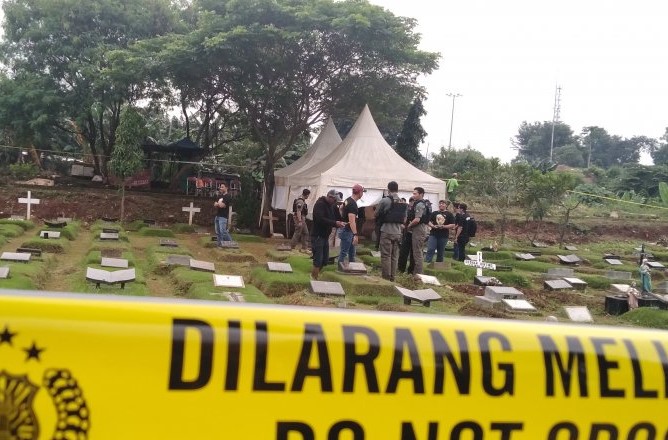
[
  {"x": 518, "y": 305},
  {"x": 538, "y": 244},
  {"x": 486, "y": 281},
  {"x": 570, "y": 248},
  {"x": 619, "y": 288},
  {"x": 33, "y": 251},
  {"x": 577, "y": 283},
  {"x": 472, "y": 257},
  {"x": 524, "y": 257},
  {"x": 327, "y": 288},
  {"x": 559, "y": 272},
  {"x": 579, "y": 314},
  {"x": 618, "y": 275},
  {"x": 429, "y": 279},
  {"x": 569, "y": 259},
  {"x": 149, "y": 222},
  {"x": 109, "y": 219},
  {"x": 204, "y": 266},
  {"x": 168, "y": 242},
  {"x": 477, "y": 262},
  {"x": 229, "y": 245},
  {"x": 111, "y": 253},
  {"x": 15, "y": 256},
  {"x": 271, "y": 219},
  {"x": 49, "y": 234},
  {"x": 28, "y": 201},
  {"x": 279, "y": 267},
  {"x": 113, "y": 236},
  {"x": 114, "y": 262},
  {"x": 611, "y": 256},
  {"x": 503, "y": 292},
  {"x": 616, "y": 304},
  {"x": 423, "y": 296},
  {"x": 375, "y": 254},
  {"x": 655, "y": 265},
  {"x": 191, "y": 210},
  {"x": 283, "y": 247},
  {"x": 111, "y": 230},
  {"x": 355, "y": 268},
  {"x": 55, "y": 223},
  {"x": 64, "y": 220},
  {"x": 4, "y": 272},
  {"x": 99, "y": 276},
  {"x": 613, "y": 261},
  {"x": 178, "y": 260},
  {"x": 228, "y": 281},
  {"x": 557, "y": 285}
]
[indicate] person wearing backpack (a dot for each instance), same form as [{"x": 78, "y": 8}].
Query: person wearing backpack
[
  {"x": 466, "y": 228},
  {"x": 419, "y": 228},
  {"x": 392, "y": 212},
  {"x": 299, "y": 213}
]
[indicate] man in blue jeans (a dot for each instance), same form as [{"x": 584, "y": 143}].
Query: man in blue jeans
[
  {"x": 223, "y": 205},
  {"x": 440, "y": 222},
  {"x": 348, "y": 234}
]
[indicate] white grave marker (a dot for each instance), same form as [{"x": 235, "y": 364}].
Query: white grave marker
[
  {"x": 28, "y": 201},
  {"x": 190, "y": 210},
  {"x": 479, "y": 264}
]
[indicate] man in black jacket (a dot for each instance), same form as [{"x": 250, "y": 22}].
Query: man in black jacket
[{"x": 325, "y": 217}]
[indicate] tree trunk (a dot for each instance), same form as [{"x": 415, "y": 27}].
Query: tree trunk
[
  {"x": 564, "y": 226},
  {"x": 185, "y": 170},
  {"x": 35, "y": 155},
  {"x": 122, "y": 201},
  {"x": 269, "y": 183}
]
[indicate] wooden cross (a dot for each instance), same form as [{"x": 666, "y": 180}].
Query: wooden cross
[
  {"x": 28, "y": 201},
  {"x": 271, "y": 219},
  {"x": 190, "y": 210},
  {"x": 479, "y": 264}
]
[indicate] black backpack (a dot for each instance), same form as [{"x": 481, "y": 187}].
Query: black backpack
[
  {"x": 396, "y": 213},
  {"x": 471, "y": 226},
  {"x": 427, "y": 212}
]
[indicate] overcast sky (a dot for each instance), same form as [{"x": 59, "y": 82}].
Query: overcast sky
[{"x": 506, "y": 58}]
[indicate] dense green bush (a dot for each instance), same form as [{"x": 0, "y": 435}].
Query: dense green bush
[{"x": 23, "y": 171}]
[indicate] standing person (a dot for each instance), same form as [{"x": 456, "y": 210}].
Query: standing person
[
  {"x": 440, "y": 222},
  {"x": 299, "y": 213},
  {"x": 393, "y": 212},
  {"x": 645, "y": 279},
  {"x": 451, "y": 187},
  {"x": 325, "y": 217},
  {"x": 405, "y": 254},
  {"x": 348, "y": 234},
  {"x": 222, "y": 214},
  {"x": 457, "y": 216},
  {"x": 418, "y": 226},
  {"x": 462, "y": 236}
]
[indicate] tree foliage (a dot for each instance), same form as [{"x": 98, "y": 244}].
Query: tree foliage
[
  {"x": 412, "y": 134},
  {"x": 532, "y": 141}
]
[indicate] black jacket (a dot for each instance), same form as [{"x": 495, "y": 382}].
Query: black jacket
[{"x": 324, "y": 217}]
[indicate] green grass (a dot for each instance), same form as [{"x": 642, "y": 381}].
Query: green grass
[
  {"x": 11, "y": 230},
  {"x": 51, "y": 245},
  {"x": 275, "y": 284},
  {"x": 182, "y": 228},
  {"x": 156, "y": 232},
  {"x": 247, "y": 238},
  {"x": 95, "y": 258},
  {"x": 206, "y": 291},
  {"x": 647, "y": 317},
  {"x": 25, "y": 224}
]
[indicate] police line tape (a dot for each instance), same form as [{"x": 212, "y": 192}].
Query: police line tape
[{"x": 103, "y": 367}]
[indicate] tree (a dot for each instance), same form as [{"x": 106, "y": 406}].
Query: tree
[
  {"x": 70, "y": 43},
  {"x": 448, "y": 161},
  {"x": 128, "y": 158},
  {"x": 287, "y": 64},
  {"x": 544, "y": 192},
  {"x": 532, "y": 142},
  {"x": 607, "y": 150},
  {"x": 660, "y": 154},
  {"x": 412, "y": 134}
]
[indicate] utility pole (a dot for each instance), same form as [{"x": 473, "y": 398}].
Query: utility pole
[
  {"x": 555, "y": 115},
  {"x": 452, "y": 116}
]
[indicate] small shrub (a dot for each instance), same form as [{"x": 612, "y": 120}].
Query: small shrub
[{"x": 23, "y": 171}]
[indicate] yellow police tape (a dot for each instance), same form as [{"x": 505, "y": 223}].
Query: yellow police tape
[{"x": 117, "y": 368}]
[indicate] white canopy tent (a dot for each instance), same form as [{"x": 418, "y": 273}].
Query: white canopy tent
[
  {"x": 364, "y": 157},
  {"x": 324, "y": 144}
]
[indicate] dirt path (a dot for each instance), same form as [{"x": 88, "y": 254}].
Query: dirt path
[{"x": 68, "y": 263}]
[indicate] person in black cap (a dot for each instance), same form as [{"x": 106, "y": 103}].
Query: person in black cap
[{"x": 325, "y": 217}]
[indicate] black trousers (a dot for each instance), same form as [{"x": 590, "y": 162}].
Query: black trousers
[{"x": 405, "y": 254}]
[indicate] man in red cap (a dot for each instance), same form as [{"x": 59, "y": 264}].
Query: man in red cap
[{"x": 348, "y": 233}]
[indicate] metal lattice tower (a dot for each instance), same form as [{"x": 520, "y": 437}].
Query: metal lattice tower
[{"x": 555, "y": 115}]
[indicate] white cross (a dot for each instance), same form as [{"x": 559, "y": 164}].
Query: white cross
[
  {"x": 479, "y": 264},
  {"x": 190, "y": 210},
  {"x": 28, "y": 201}
]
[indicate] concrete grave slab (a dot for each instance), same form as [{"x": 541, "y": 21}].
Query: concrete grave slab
[
  {"x": 279, "y": 267},
  {"x": 481, "y": 280},
  {"x": 538, "y": 244},
  {"x": 166, "y": 242},
  {"x": 327, "y": 288},
  {"x": 4, "y": 272},
  {"x": 111, "y": 253},
  {"x": 618, "y": 275},
  {"x": 229, "y": 245},
  {"x": 111, "y": 230},
  {"x": 438, "y": 265},
  {"x": 620, "y": 288},
  {"x": 473, "y": 257},
  {"x": 502, "y": 292},
  {"x": 100, "y": 276},
  {"x": 490, "y": 303},
  {"x": 616, "y": 304},
  {"x": 569, "y": 259},
  {"x": 15, "y": 256},
  {"x": 356, "y": 267},
  {"x": 178, "y": 260},
  {"x": 64, "y": 219},
  {"x": 112, "y": 236},
  {"x": 109, "y": 219},
  {"x": 613, "y": 261},
  {"x": 32, "y": 251},
  {"x": 375, "y": 254},
  {"x": 577, "y": 283},
  {"x": 423, "y": 296},
  {"x": 557, "y": 285},
  {"x": 518, "y": 305},
  {"x": 579, "y": 314},
  {"x": 228, "y": 281},
  {"x": 204, "y": 266},
  {"x": 283, "y": 247},
  {"x": 559, "y": 272},
  {"x": 149, "y": 222},
  {"x": 524, "y": 257},
  {"x": 429, "y": 279},
  {"x": 55, "y": 223},
  {"x": 114, "y": 262},
  {"x": 611, "y": 256},
  {"x": 49, "y": 234},
  {"x": 655, "y": 265},
  {"x": 571, "y": 248}
]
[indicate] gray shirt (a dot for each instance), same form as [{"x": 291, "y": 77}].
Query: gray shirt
[{"x": 384, "y": 206}]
